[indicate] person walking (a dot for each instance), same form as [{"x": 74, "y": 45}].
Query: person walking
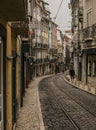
[{"x": 72, "y": 73}]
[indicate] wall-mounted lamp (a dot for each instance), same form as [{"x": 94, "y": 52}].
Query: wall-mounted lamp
[
  {"x": 10, "y": 57},
  {"x": 18, "y": 55}
]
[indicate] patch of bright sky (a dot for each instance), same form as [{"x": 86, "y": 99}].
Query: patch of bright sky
[{"x": 63, "y": 19}]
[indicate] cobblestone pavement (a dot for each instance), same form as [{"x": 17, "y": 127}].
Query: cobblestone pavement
[
  {"x": 58, "y": 97},
  {"x": 30, "y": 117}
]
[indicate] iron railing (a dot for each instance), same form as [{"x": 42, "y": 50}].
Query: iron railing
[
  {"x": 88, "y": 33},
  {"x": 94, "y": 30}
]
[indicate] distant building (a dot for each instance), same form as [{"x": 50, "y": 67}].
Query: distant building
[
  {"x": 60, "y": 50},
  {"x": 53, "y": 45},
  {"x": 39, "y": 42},
  {"x": 67, "y": 46}
]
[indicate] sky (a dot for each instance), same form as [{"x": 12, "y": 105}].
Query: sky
[{"x": 63, "y": 19}]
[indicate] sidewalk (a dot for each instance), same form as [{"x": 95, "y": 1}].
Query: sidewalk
[
  {"x": 88, "y": 88},
  {"x": 30, "y": 117}
]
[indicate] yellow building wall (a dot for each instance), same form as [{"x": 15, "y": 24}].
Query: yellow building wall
[
  {"x": 9, "y": 80},
  {"x": 18, "y": 72},
  {"x": 13, "y": 44},
  {"x": 8, "y": 75}
]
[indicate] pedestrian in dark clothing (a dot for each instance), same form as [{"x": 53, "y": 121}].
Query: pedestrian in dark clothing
[
  {"x": 72, "y": 73},
  {"x": 56, "y": 69}
]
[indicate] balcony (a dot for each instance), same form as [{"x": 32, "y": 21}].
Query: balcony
[
  {"x": 88, "y": 33},
  {"x": 42, "y": 60},
  {"x": 45, "y": 46},
  {"x": 60, "y": 54},
  {"x": 38, "y": 45},
  {"x": 46, "y": 59},
  {"x": 53, "y": 51},
  {"x": 81, "y": 14},
  {"x": 94, "y": 31},
  {"x": 38, "y": 61},
  {"x": 13, "y": 10},
  {"x": 45, "y": 18},
  {"x": 20, "y": 27},
  {"x": 73, "y": 2}
]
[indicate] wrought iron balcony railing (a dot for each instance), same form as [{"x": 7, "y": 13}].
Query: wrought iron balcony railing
[
  {"x": 94, "y": 30},
  {"x": 88, "y": 33},
  {"x": 80, "y": 13},
  {"x": 46, "y": 59},
  {"x": 38, "y": 61},
  {"x": 41, "y": 46},
  {"x": 41, "y": 60},
  {"x": 53, "y": 51},
  {"x": 45, "y": 46},
  {"x": 38, "y": 45}
]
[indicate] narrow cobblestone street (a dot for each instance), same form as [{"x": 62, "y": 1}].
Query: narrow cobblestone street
[
  {"x": 30, "y": 117},
  {"x": 65, "y": 107},
  {"x": 54, "y": 100}
]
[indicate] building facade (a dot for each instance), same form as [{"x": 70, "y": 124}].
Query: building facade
[
  {"x": 40, "y": 41},
  {"x": 60, "y": 50},
  {"x": 85, "y": 41},
  {"x": 53, "y": 50},
  {"x": 10, "y": 62},
  {"x": 77, "y": 26},
  {"x": 67, "y": 54},
  {"x": 89, "y": 41}
]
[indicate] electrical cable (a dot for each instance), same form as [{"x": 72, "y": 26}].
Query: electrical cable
[{"x": 58, "y": 10}]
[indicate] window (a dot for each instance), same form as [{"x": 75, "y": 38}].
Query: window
[{"x": 89, "y": 18}]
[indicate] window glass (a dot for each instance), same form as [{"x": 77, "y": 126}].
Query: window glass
[{"x": 89, "y": 18}]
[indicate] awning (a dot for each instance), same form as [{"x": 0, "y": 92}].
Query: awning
[
  {"x": 12, "y": 10},
  {"x": 89, "y": 51}
]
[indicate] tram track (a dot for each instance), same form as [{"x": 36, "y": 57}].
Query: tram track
[
  {"x": 72, "y": 125},
  {"x": 75, "y": 100},
  {"x": 76, "y": 127},
  {"x": 68, "y": 105}
]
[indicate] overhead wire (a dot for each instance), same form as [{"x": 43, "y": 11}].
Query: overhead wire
[{"x": 58, "y": 9}]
